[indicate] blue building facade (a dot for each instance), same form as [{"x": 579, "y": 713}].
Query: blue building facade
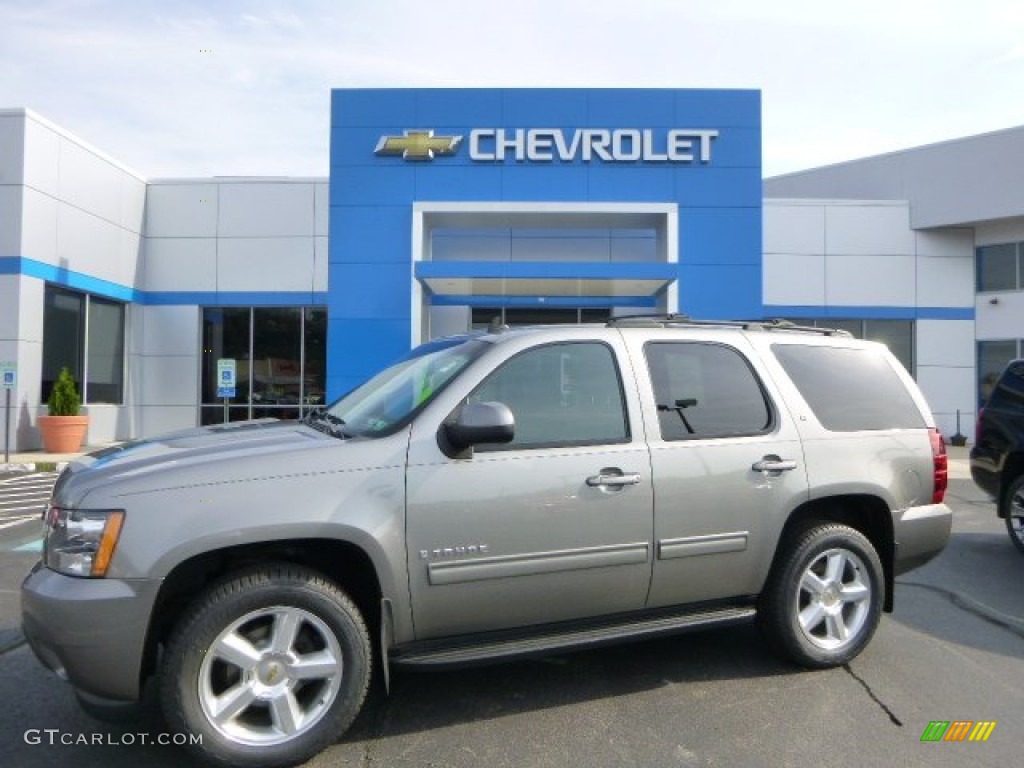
[{"x": 639, "y": 200}]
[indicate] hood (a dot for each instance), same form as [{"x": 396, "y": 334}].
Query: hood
[{"x": 212, "y": 455}]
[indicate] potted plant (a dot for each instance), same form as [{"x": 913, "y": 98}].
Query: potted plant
[{"x": 63, "y": 431}]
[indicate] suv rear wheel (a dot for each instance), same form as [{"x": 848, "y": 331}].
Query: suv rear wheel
[
  {"x": 270, "y": 666},
  {"x": 1014, "y": 509},
  {"x": 823, "y": 599}
]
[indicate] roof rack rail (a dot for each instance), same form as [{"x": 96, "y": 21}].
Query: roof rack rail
[{"x": 672, "y": 320}]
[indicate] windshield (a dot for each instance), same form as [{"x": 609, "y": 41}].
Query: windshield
[{"x": 388, "y": 400}]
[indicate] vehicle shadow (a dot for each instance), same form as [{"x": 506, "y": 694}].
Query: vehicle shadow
[
  {"x": 425, "y": 701},
  {"x": 419, "y": 701}
]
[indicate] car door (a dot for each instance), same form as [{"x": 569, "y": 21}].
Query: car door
[
  {"x": 728, "y": 467},
  {"x": 553, "y": 526}
]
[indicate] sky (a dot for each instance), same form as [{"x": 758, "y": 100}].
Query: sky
[{"x": 196, "y": 89}]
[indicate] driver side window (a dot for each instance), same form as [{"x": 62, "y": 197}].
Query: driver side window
[{"x": 560, "y": 395}]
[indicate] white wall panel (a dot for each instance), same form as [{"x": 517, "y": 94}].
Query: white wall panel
[
  {"x": 181, "y": 210},
  {"x": 133, "y": 203},
  {"x": 107, "y": 424},
  {"x": 168, "y": 380},
  {"x": 86, "y": 243},
  {"x": 274, "y": 264},
  {"x": 180, "y": 264},
  {"x": 157, "y": 420},
  {"x": 12, "y": 142},
  {"x": 172, "y": 330},
  {"x": 1002, "y": 320},
  {"x": 321, "y": 209},
  {"x": 42, "y": 158},
  {"x": 794, "y": 228},
  {"x": 868, "y": 229},
  {"x": 945, "y": 281},
  {"x": 945, "y": 242},
  {"x": 263, "y": 209},
  {"x": 26, "y": 397},
  {"x": 320, "y": 264},
  {"x": 9, "y": 301},
  {"x": 31, "y": 295},
  {"x": 130, "y": 267},
  {"x": 996, "y": 232},
  {"x": 945, "y": 343},
  {"x": 794, "y": 279},
  {"x": 947, "y": 390},
  {"x": 39, "y": 226},
  {"x": 89, "y": 182},
  {"x": 10, "y": 220},
  {"x": 870, "y": 280}
]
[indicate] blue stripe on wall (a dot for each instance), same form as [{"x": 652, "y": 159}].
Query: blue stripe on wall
[
  {"x": 17, "y": 265},
  {"x": 871, "y": 313}
]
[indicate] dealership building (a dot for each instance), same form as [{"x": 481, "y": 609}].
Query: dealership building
[{"x": 447, "y": 208}]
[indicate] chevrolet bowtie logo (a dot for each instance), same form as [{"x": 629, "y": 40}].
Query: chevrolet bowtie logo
[{"x": 418, "y": 145}]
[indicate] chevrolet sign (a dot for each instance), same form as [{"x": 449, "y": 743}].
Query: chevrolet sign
[{"x": 544, "y": 145}]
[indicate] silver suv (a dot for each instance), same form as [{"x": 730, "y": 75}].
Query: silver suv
[{"x": 491, "y": 496}]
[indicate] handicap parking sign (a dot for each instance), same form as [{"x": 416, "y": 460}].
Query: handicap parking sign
[
  {"x": 226, "y": 377},
  {"x": 8, "y": 375}
]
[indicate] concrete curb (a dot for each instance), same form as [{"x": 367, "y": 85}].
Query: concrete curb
[{"x": 29, "y": 467}]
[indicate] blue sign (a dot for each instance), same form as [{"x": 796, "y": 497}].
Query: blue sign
[{"x": 226, "y": 377}]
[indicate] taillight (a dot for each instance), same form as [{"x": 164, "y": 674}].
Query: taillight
[{"x": 940, "y": 464}]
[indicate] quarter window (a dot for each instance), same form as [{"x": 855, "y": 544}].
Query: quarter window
[
  {"x": 705, "y": 390},
  {"x": 560, "y": 395},
  {"x": 849, "y": 389}
]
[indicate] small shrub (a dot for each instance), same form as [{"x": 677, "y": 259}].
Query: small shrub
[{"x": 64, "y": 399}]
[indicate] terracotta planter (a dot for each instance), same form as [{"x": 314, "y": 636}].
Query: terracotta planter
[{"x": 63, "y": 434}]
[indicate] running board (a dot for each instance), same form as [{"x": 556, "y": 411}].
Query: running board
[{"x": 490, "y": 648}]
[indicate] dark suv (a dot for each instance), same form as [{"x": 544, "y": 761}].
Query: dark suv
[{"x": 997, "y": 459}]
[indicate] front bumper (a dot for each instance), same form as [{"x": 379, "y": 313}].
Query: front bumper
[
  {"x": 90, "y": 631},
  {"x": 919, "y": 533}
]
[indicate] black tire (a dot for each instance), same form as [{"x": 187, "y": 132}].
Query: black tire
[
  {"x": 1013, "y": 512},
  {"x": 823, "y": 599},
  {"x": 287, "y": 646}
]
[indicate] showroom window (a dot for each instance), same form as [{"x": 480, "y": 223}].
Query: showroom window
[
  {"x": 993, "y": 357},
  {"x": 280, "y": 358},
  {"x": 1000, "y": 267},
  {"x": 898, "y": 335},
  {"x": 84, "y": 333},
  {"x": 512, "y": 316}
]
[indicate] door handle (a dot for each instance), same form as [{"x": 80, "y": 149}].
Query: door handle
[
  {"x": 773, "y": 466},
  {"x": 610, "y": 478}
]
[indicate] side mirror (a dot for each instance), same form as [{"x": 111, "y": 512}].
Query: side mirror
[{"x": 480, "y": 423}]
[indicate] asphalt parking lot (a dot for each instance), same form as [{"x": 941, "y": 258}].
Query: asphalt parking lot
[{"x": 953, "y": 650}]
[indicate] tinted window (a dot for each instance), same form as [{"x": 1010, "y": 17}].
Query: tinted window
[
  {"x": 849, "y": 389},
  {"x": 1009, "y": 392},
  {"x": 705, "y": 390},
  {"x": 560, "y": 394}
]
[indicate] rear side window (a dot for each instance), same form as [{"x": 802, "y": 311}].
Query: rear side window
[
  {"x": 705, "y": 390},
  {"x": 848, "y": 389}
]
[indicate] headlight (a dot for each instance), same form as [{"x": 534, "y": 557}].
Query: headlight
[{"x": 81, "y": 542}]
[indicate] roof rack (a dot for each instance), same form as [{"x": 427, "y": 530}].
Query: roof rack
[{"x": 673, "y": 320}]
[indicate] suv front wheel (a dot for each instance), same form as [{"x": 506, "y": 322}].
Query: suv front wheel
[
  {"x": 1014, "y": 512},
  {"x": 823, "y": 599},
  {"x": 269, "y": 666}
]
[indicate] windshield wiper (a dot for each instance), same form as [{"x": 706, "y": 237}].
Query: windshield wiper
[{"x": 326, "y": 422}]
